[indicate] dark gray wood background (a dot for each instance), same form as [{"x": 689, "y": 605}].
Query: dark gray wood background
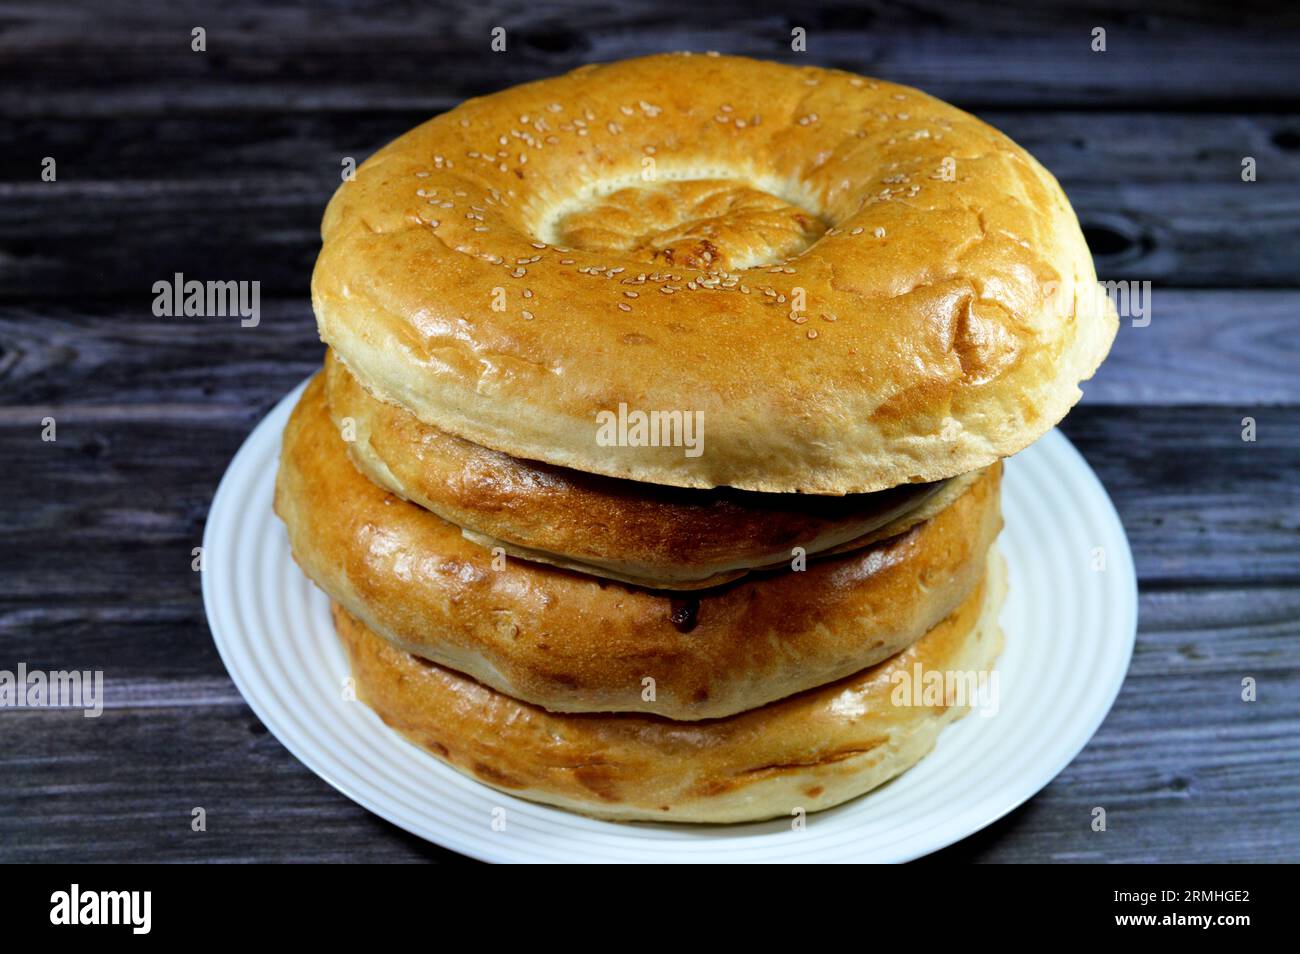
[{"x": 218, "y": 165}]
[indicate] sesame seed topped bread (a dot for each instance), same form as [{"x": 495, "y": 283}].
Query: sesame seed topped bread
[{"x": 850, "y": 284}]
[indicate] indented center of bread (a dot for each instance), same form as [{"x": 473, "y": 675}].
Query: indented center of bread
[{"x": 710, "y": 225}]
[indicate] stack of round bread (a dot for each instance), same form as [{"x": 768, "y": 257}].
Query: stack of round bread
[{"x": 659, "y": 438}]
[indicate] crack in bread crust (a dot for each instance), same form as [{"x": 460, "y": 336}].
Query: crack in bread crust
[{"x": 942, "y": 321}]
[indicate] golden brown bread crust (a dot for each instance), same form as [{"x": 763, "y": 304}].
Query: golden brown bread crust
[
  {"x": 644, "y": 534},
  {"x": 943, "y": 322},
  {"x": 810, "y": 751},
  {"x": 570, "y": 642}
]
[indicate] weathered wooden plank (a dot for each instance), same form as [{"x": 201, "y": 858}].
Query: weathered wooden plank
[
  {"x": 118, "y": 59},
  {"x": 1201, "y": 347},
  {"x": 218, "y": 165},
  {"x": 1100, "y": 147},
  {"x": 1215, "y": 780},
  {"x": 162, "y": 656},
  {"x": 117, "y": 238},
  {"x": 1227, "y": 234},
  {"x": 112, "y": 355},
  {"x": 122, "y": 788},
  {"x": 99, "y": 526},
  {"x": 1205, "y": 347},
  {"x": 1200, "y": 505},
  {"x": 1185, "y": 770}
]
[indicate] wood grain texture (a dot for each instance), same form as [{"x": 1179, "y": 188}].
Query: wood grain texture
[
  {"x": 218, "y": 165},
  {"x": 1201, "y": 347},
  {"x": 123, "y": 499},
  {"x": 108, "y": 57},
  {"x": 235, "y": 205},
  {"x": 1212, "y": 778},
  {"x": 1184, "y": 768},
  {"x": 1221, "y": 596},
  {"x": 267, "y": 147}
]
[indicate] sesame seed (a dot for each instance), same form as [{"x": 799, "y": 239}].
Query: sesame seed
[{"x": 623, "y": 307}]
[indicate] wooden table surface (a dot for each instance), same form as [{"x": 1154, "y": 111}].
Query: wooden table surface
[{"x": 218, "y": 165}]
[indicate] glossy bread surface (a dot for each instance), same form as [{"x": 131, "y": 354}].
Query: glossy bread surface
[
  {"x": 645, "y": 534},
  {"x": 571, "y": 642},
  {"x": 649, "y": 235},
  {"x": 810, "y": 751}
]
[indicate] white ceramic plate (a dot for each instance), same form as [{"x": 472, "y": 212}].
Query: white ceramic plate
[{"x": 1069, "y": 634}]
